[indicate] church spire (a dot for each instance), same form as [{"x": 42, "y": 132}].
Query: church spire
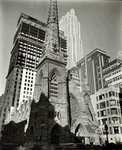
[
  {"x": 53, "y": 12},
  {"x": 52, "y": 44}
]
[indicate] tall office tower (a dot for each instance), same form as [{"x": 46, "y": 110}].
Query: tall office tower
[
  {"x": 71, "y": 27},
  {"x": 26, "y": 52},
  {"x": 93, "y": 63}
]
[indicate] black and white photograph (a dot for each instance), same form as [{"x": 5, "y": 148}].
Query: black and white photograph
[{"x": 60, "y": 75}]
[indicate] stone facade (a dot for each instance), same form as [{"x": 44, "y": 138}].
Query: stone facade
[
  {"x": 44, "y": 128},
  {"x": 83, "y": 121},
  {"x": 51, "y": 82}
]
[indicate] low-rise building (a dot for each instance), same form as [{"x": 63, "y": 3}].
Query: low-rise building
[
  {"x": 109, "y": 113},
  {"x": 112, "y": 73}
]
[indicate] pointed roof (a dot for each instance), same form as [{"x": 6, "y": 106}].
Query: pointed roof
[
  {"x": 72, "y": 11},
  {"x": 51, "y": 48},
  {"x": 53, "y": 12},
  {"x": 52, "y": 34}
]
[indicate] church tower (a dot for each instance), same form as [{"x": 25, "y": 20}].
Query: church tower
[
  {"x": 52, "y": 63},
  {"x": 51, "y": 77}
]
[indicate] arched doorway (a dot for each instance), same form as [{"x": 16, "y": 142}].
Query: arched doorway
[
  {"x": 79, "y": 134},
  {"x": 31, "y": 135},
  {"x": 56, "y": 134},
  {"x": 32, "y": 130}
]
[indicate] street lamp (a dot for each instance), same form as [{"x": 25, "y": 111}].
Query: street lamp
[
  {"x": 106, "y": 130},
  {"x": 42, "y": 125}
]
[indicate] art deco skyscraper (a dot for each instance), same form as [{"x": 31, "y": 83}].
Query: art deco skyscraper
[{"x": 71, "y": 27}]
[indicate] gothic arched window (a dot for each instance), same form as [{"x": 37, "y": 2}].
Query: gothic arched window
[{"x": 54, "y": 85}]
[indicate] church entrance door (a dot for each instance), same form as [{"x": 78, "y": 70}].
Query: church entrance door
[
  {"x": 56, "y": 134},
  {"x": 79, "y": 134}
]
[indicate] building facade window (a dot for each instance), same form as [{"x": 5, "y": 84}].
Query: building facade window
[
  {"x": 103, "y": 113},
  {"x": 100, "y": 97},
  {"x": 107, "y": 104},
  {"x": 108, "y": 112},
  {"x": 109, "y": 120},
  {"x": 120, "y": 120},
  {"x": 113, "y": 111},
  {"x": 99, "y": 122},
  {"x": 54, "y": 85},
  {"x": 113, "y": 93},
  {"x": 118, "y": 103},
  {"x": 104, "y": 121},
  {"x": 110, "y": 130},
  {"x": 115, "y": 120},
  {"x": 121, "y": 129},
  {"x": 102, "y": 105},
  {"x": 113, "y": 102},
  {"x": 98, "y": 114},
  {"x": 116, "y": 130},
  {"x": 97, "y": 106},
  {"x": 110, "y": 94}
]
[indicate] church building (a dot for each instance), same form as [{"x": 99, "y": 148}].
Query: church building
[{"x": 59, "y": 109}]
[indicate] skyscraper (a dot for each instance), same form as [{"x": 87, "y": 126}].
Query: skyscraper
[
  {"x": 71, "y": 27},
  {"x": 93, "y": 63},
  {"x": 26, "y": 52}
]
